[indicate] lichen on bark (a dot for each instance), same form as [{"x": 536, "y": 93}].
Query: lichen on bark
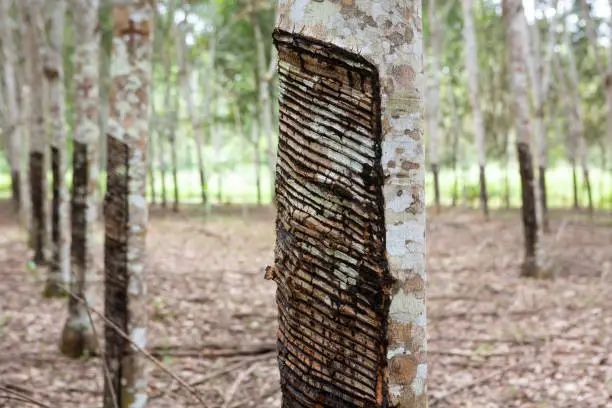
[{"x": 327, "y": 171}]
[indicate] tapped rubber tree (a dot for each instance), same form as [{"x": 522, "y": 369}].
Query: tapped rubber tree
[
  {"x": 349, "y": 258},
  {"x": 471, "y": 63},
  {"x": 34, "y": 39},
  {"x": 59, "y": 268},
  {"x": 125, "y": 205},
  {"x": 78, "y": 336},
  {"x": 513, "y": 15}
]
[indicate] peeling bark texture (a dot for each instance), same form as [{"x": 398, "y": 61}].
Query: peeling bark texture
[
  {"x": 78, "y": 336},
  {"x": 38, "y": 140},
  {"x": 513, "y": 14},
  {"x": 471, "y": 63},
  {"x": 13, "y": 127},
  {"x": 59, "y": 271},
  {"x": 125, "y": 209},
  {"x": 349, "y": 259}
]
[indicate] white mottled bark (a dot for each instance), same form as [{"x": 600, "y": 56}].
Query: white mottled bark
[
  {"x": 125, "y": 206},
  {"x": 78, "y": 335},
  {"x": 514, "y": 20},
  {"x": 59, "y": 273},
  {"x": 389, "y": 35}
]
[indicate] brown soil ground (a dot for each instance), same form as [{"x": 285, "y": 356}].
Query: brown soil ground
[{"x": 496, "y": 340}]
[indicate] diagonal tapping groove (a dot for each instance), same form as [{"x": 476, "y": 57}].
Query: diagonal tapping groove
[{"x": 330, "y": 263}]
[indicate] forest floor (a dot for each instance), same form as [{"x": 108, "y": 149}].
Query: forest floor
[{"x": 496, "y": 340}]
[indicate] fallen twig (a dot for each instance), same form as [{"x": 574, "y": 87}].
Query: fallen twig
[
  {"x": 232, "y": 390},
  {"x": 17, "y": 393}
]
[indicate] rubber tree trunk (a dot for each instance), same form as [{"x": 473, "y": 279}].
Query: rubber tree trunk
[
  {"x": 578, "y": 118},
  {"x": 59, "y": 271},
  {"x": 350, "y": 262},
  {"x": 471, "y": 63},
  {"x": 13, "y": 126},
  {"x": 513, "y": 14},
  {"x": 191, "y": 109},
  {"x": 174, "y": 164},
  {"x": 125, "y": 206},
  {"x": 434, "y": 97},
  {"x": 38, "y": 138},
  {"x": 457, "y": 147},
  {"x": 78, "y": 337},
  {"x": 265, "y": 103},
  {"x": 256, "y": 160},
  {"x": 151, "y": 167}
]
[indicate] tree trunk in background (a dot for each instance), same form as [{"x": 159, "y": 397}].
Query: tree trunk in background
[
  {"x": 265, "y": 108},
  {"x": 13, "y": 127},
  {"x": 125, "y": 206},
  {"x": 25, "y": 131},
  {"x": 181, "y": 47},
  {"x": 457, "y": 146},
  {"x": 256, "y": 159},
  {"x": 539, "y": 72},
  {"x": 573, "y": 136},
  {"x": 471, "y": 63},
  {"x": 38, "y": 140},
  {"x": 151, "y": 163},
  {"x": 578, "y": 118},
  {"x": 78, "y": 335},
  {"x": 174, "y": 164},
  {"x": 351, "y": 159},
  {"x": 513, "y": 15},
  {"x": 508, "y": 159},
  {"x": 59, "y": 271},
  {"x": 158, "y": 134},
  {"x": 434, "y": 97}
]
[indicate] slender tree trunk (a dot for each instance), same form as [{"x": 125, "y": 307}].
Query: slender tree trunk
[
  {"x": 126, "y": 206},
  {"x": 197, "y": 128},
  {"x": 508, "y": 157},
  {"x": 13, "y": 127},
  {"x": 578, "y": 118},
  {"x": 539, "y": 73},
  {"x": 256, "y": 160},
  {"x": 265, "y": 109},
  {"x": 434, "y": 97},
  {"x": 471, "y": 63},
  {"x": 25, "y": 131},
  {"x": 174, "y": 163},
  {"x": 330, "y": 277},
  {"x": 575, "y": 186},
  {"x": 78, "y": 335},
  {"x": 38, "y": 144},
  {"x": 59, "y": 271},
  {"x": 457, "y": 147},
  {"x": 160, "y": 149},
  {"x": 151, "y": 166},
  {"x": 513, "y": 15}
]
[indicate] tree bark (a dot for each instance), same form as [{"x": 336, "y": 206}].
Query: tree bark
[
  {"x": 513, "y": 15},
  {"x": 38, "y": 140},
  {"x": 349, "y": 259},
  {"x": 125, "y": 206},
  {"x": 471, "y": 63},
  {"x": 13, "y": 127},
  {"x": 78, "y": 337},
  {"x": 59, "y": 271}
]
